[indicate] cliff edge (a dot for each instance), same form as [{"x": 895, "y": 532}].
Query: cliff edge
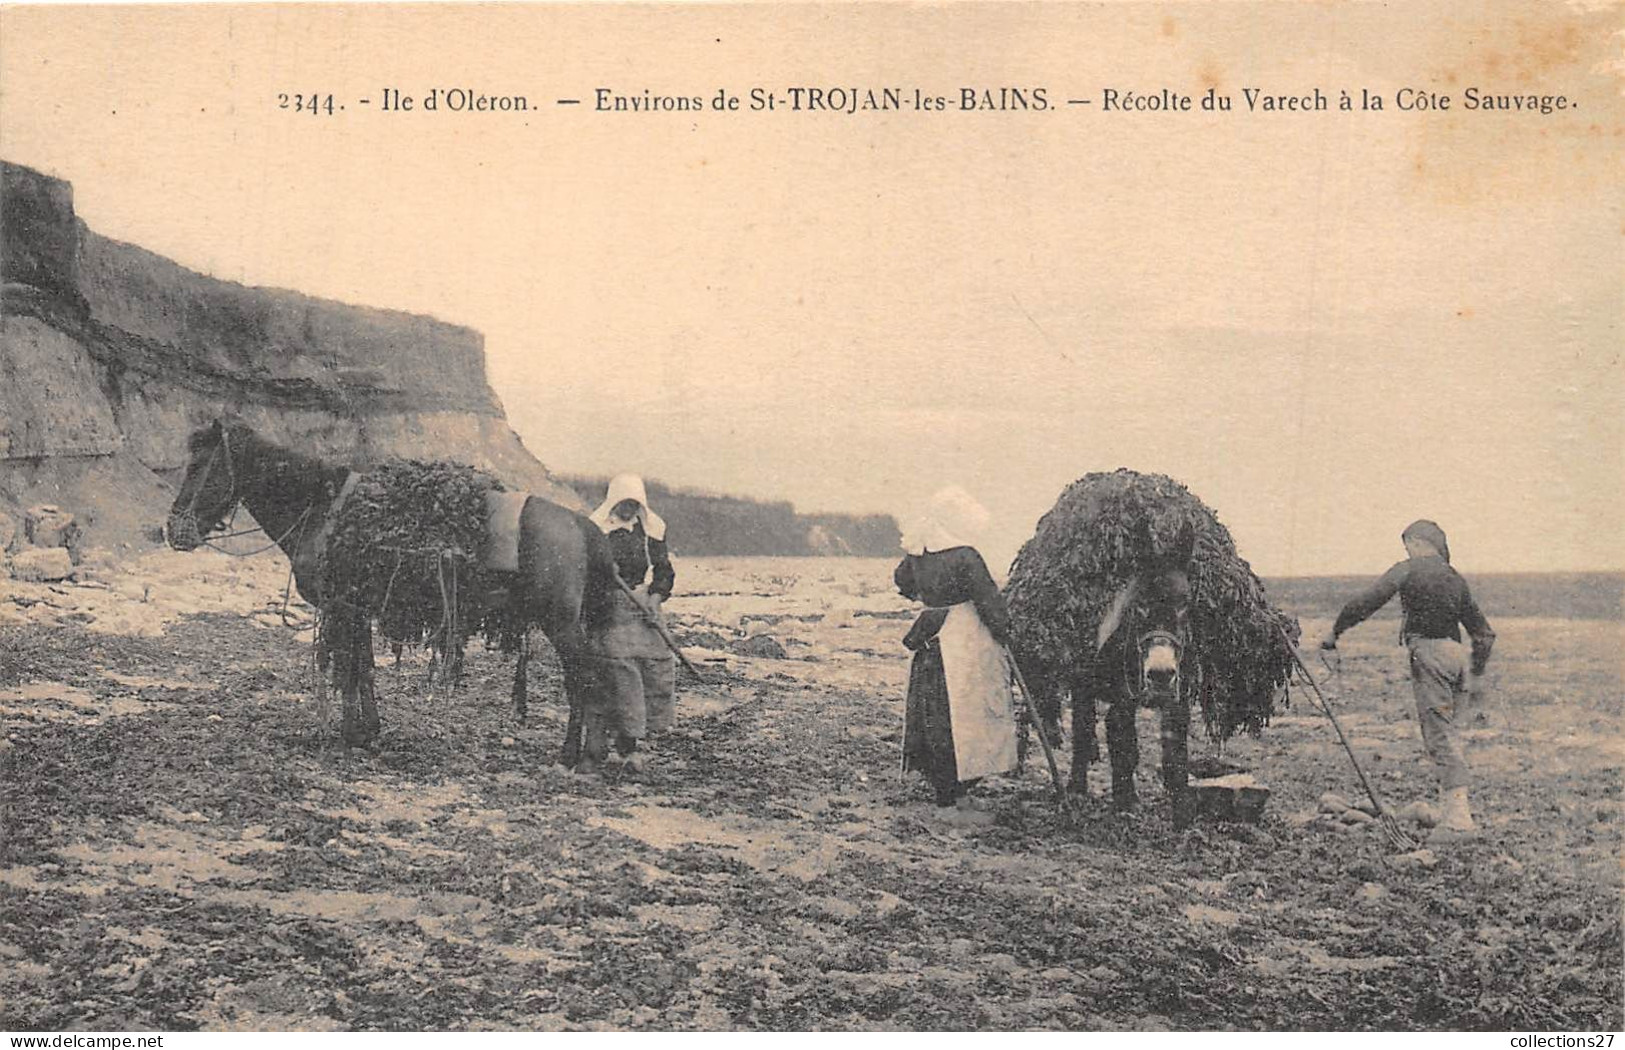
[{"x": 110, "y": 355}]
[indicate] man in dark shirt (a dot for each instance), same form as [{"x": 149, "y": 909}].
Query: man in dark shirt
[{"x": 1436, "y": 603}]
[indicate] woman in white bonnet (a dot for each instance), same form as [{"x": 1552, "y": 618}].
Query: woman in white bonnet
[
  {"x": 960, "y": 719},
  {"x": 629, "y": 674}
]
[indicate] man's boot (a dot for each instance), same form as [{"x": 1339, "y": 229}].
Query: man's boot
[{"x": 1456, "y": 820}]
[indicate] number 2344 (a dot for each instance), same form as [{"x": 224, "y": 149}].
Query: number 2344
[{"x": 308, "y": 103}]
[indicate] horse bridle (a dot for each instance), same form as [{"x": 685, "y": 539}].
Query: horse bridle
[
  {"x": 1134, "y": 667},
  {"x": 197, "y": 490},
  {"x": 231, "y": 494}
]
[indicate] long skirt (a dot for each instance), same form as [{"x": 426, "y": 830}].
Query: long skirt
[
  {"x": 960, "y": 723},
  {"x": 629, "y": 682}
]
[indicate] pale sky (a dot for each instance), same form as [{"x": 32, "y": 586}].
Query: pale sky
[{"x": 1326, "y": 325}]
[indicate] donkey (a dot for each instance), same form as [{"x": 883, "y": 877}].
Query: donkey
[
  {"x": 562, "y": 585},
  {"x": 1141, "y": 655}
]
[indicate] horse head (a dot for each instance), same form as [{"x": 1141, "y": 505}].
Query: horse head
[
  {"x": 210, "y": 489},
  {"x": 1152, "y": 614}
]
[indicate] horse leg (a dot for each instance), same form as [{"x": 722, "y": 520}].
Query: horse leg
[
  {"x": 1085, "y": 745},
  {"x": 570, "y": 645},
  {"x": 324, "y": 696},
  {"x": 570, "y": 755},
  {"x": 520, "y": 699},
  {"x": 454, "y": 667},
  {"x": 1176, "y": 721},
  {"x": 582, "y": 722},
  {"x": 353, "y": 728},
  {"x": 564, "y": 631},
  {"x": 369, "y": 695},
  {"x": 448, "y": 668},
  {"x": 346, "y": 657},
  {"x": 367, "y": 689},
  {"x": 1123, "y": 742},
  {"x": 568, "y": 575}
]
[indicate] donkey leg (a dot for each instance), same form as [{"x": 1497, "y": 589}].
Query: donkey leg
[
  {"x": 1031, "y": 709},
  {"x": 521, "y": 701},
  {"x": 1176, "y": 722},
  {"x": 1085, "y": 745},
  {"x": 1123, "y": 742},
  {"x": 1047, "y": 710}
]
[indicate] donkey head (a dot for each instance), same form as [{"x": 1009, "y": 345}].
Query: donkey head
[{"x": 1152, "y": 612}]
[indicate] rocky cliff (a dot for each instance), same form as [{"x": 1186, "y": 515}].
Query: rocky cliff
[
  {"x": 110, "y": 355},
  {"x": 704, "y": 523}
]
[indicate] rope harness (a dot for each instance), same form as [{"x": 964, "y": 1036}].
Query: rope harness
[
  {"x": 186, "y": 520},
  {"x": 1137, "y": 684}
]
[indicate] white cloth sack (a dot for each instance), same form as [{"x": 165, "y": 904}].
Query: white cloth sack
[{"x": 502, "y": 511}]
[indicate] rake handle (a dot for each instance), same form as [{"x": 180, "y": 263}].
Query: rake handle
[
  {"x": 1326, "y": 707},
  {"x": 1038, "y": 724},
  {"x": 660, "y": 628}
]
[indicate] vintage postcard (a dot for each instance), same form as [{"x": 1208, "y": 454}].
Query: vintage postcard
[{"x": 812, "y": 516}]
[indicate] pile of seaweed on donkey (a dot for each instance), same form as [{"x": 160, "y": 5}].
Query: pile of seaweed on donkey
[{"x": 1131, "y": 594}]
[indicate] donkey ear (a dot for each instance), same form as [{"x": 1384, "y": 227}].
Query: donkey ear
[
  {"x": 1184, "y": 551},
  {"x": 1147, "y": 539}
]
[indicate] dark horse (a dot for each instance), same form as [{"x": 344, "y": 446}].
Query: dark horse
[
  {"x": 1142, "y": 651},
  {"x": 565, "y": 569}
]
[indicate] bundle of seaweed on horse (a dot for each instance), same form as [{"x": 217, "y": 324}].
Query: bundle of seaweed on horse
[
  {"x": 408, "y": 546},
  {"x": 1131, "y": 594}
]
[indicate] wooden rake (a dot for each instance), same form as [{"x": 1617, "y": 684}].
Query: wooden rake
[
  {"x": 660, "y": 628},
  {"x": 574, "y": 729},
  {"x": 1396, "y": 835},
  {"x": 1031, "y": 704}
]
